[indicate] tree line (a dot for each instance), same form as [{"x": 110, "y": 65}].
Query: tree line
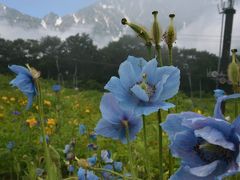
[{"x": 77, "y": 62}]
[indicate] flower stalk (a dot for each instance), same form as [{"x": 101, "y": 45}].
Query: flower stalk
[
  {"x": 160, "y": 145},
  {"x": 133, "y": 172},
  {"x": 146, "y": 155}
]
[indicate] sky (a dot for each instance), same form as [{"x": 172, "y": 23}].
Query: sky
[{"x": 40, "y": 8}]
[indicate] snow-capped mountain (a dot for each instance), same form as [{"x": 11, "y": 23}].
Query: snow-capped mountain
[{"x": 102, "y": 20}]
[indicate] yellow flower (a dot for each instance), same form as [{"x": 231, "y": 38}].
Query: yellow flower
[
  {"x": 12, "y": 99},
  {"x": 48, "y": 130},
  {"x": 36, "y": 107},
  {"x": 199, "y": 111},
  {"x": 46, "y": 102},
  {"x": 87, "y": 111},
  {"x": 31, "y": 122},
  {"x": 1, "y": 115},
  {"x": 51, "y": 122},
  {"x": 4, "y": 98}
]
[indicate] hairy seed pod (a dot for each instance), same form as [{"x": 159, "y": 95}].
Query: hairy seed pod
[
  {"x": 139, "y": 30},
  {"x": 170, "y": 35},
  {"x": 233, "y": 69},
  {"x": 156, "y": 29}
]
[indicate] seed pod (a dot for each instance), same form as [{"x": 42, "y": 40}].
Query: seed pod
[
  {"x": 170, "y": 35},
  {"x": 156, "y": 29},
  {"x": 139, "y": 30},
  {"x": 233, "y": 69}
]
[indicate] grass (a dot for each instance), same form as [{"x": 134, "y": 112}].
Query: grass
[{"x": 75, "y": 108}]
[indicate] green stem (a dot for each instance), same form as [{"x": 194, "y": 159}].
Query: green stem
[
  {"x": 160, "y": 145},
  {"x": 130, "y": 153},
  {"x": 110, "y": 171},
  {"x": 170, "y": 159},
  {"x": 46, "y": 150},
  {"x": 146, "y": 147},
  {"x": 170, "y": 56},
  {"x": 159, "y": 55},
  {"x": 149, "y": 48}
]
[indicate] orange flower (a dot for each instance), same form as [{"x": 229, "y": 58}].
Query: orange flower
[
  {"x": 51, "y": 122},
  {"x": 31, "y": 122},
  {"x": 48, "y": 130},
  {"x": 46, "y": 102}
]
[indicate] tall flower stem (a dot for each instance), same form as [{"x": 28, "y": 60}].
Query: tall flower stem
[
  {"x": 149, "y": 49},
  {"x": 46, "y": 150},
  {"x": 160, "y": 145},
  {"x": 170, "y": 56},
  {"x": 133, "y": 172},
  {"x": 146, "y": 155},
  {"x": 159, "y": 55},
  {"x": 170, "y": 158}
]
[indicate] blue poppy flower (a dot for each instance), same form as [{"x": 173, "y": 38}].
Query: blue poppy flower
[
  {"x": 218, "y": 93},
  {"x": 82, "y": 129},
  {"x": 56, "y": 88},
  {"x": 47, "y": 139},
  {"x": 92, "y": 160},
  {"x": 208, "y": 146},
  {"x": 24, "y": 81},
  {"x": 10, "y": 145},
  {"x": 117, "y": 166},
  {"x": 144, "y": 86},
  {"x": 71, "y": 168},
  {"x": 67, "y": 148},
  {"x": 106, "y": 156},
  {"x": 114, "y": 120},
  {"x": 16, "y": 113},
  {"x": 86, "y": 175},
  {"x": 106, "y": 175},
  {"x": 92, "y": 147}
]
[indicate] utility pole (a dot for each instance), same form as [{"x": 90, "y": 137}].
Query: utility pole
[{"x": 227, "y": 9}]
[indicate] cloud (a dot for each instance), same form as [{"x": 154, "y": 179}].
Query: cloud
[{"x": 204, "y": 32}]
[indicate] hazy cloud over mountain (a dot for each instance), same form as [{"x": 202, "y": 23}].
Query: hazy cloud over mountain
[{"x": 197, "y": 21}]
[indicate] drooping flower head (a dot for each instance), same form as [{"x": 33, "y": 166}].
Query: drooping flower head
[
  {"x": 24, "y": 81},
  {"x": 208, "y": 146},
  {"x": 115, "y": 120},
  {"x": 106, "y": 156},
  {"x": 86, "y": 175},
  {"x": 143, "y": 86},
  {"x": 218, "y": 93}
]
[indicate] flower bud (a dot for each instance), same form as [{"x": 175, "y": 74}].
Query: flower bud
[
  {"x": 156, "y": 29},
  {"x": 233, "y": 69},
  {"x": 35, "y": 74},
  {"x": 83, "y": 163},
  {"x": 170, "y": 35},
  {"x": 141, "y": 31}
]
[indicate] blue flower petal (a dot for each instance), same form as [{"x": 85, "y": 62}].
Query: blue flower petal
[
  {"x": 173, "y": 125},
  {"x": 24, "y": 83},
  {"x": 140, "y": 93},
  {"x": 127, "y": 74},
  {"x": 201, "y": 122},
  {"x": 150, "y": 70},
  {"x": 19, "y": 70},
  {"x": 171, "y": 86},
  {"x": 217, "y": 111},
  {"x": 30, "y": 97},
  {"x": 107, "y": 129},
  {"x": 110, "y": 108},
  {"x": 115, "y": 86},
  {"x": 214, "y": 136},
  {"x": 205, "y": 170},
  {"x": 137, "y": 64},
  {"x": 183, "y": 147}
]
